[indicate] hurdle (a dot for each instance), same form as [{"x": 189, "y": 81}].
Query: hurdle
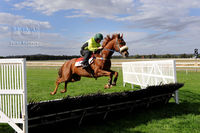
[
  {"x": 13, "y": 94},
  {"x": 148, "y": 73}
]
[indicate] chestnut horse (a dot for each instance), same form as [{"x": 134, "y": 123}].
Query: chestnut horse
[{"x": 100, "y": 66}]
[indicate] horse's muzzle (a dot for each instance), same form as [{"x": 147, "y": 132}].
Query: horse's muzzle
[
  {"x": 124, "y": 48},
  {"x": 125, "y": 54},
  {"x": 124, "y": 51}
]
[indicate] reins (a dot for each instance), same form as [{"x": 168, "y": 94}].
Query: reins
[{"x": 108, "y": 49}]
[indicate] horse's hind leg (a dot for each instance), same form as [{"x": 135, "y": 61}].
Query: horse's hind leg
[
  {"x": 59, "y": 80},
  {"x": 74, "y": 78},
  {"x": 65, "y": 88}
]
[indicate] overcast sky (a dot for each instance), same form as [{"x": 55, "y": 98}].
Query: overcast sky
[{"x": 60, "y": 27}]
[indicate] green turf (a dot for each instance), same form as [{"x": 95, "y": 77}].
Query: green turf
[
  {"x": 171, "y": 118},
  {"x": 40, "y": 82}
]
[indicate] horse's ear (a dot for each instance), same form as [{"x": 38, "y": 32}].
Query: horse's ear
[
  {"x": 122, "y": 35},
  {"x": 108, "y": 37},
  {"x": 119, "y": 35}
]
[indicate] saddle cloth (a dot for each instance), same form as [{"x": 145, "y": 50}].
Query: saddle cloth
[{"x": 80, "y": 60}]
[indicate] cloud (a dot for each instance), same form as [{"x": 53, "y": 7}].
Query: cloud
[
  {"x": 103, "y": 8},
  {"x": 16, "y": 20},
  {"x": 4, "y": 29},
  {"x": 76, "y": 16},
  {"x": 161, "y": 14},
  {"x": 151, "y": 14}
]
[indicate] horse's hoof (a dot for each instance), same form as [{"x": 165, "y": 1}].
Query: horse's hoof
[
  {"x": 114, "y": 84},
  {"x": 107, "y": 86},
  {"x": 63, "y": 91},
  {"x": 52, "y": 93}
]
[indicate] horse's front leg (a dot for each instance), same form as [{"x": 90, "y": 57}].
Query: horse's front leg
[{"x": 101, "y": 73}]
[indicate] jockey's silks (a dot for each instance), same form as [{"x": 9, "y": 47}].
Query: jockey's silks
[{"x": 92, "y": 45}]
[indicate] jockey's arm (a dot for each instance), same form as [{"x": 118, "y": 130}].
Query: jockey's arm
[{"x": 99, "y": 48}]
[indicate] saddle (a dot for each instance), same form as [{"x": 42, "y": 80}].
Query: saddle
[{"x": 80, "y": 60}]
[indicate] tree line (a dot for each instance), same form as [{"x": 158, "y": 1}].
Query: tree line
[
  {"x": 67, "y": 57},
  {"x": 152, "y": 56},
  {"x": 43, "y": 57}
]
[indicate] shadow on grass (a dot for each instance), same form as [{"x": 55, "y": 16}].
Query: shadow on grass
[{"x": 123, "y": 122}]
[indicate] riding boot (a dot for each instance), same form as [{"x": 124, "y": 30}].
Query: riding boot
[{"x": 86, "y": 57}]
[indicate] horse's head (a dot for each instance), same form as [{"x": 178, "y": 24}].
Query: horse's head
[
  {"x": 120, "y": 45},
  {"x": 115, "y": 43}
]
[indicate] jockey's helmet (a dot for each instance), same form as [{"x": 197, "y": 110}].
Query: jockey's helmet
[{"x": 98, "y": 36}]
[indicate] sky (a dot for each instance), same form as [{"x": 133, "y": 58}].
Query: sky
[{"x": 60, "y": 27}]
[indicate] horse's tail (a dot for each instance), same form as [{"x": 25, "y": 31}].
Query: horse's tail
[{"x": 60, "y": 72}]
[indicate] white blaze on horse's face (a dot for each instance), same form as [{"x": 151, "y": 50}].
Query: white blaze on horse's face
[{"x": 123, "y": 48}]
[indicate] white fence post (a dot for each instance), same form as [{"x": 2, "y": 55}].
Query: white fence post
[
  {"x": 175, "y": 81},
  {"x": 148, "y": 73},
  {"x": 13, "y": 94}
]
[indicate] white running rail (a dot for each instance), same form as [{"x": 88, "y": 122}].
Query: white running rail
[
  {"x": 13, "y": 94},
  {"x": 148, "y": 73}
]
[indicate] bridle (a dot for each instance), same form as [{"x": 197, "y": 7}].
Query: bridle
[{"x": 117, "y": 44}]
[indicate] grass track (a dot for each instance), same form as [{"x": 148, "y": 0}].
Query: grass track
[
  {"x": 41, "y": 82},
  {"x": 172, "y": 118}
]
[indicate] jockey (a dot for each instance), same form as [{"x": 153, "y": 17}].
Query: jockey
[{"x": 89, "y": 47}]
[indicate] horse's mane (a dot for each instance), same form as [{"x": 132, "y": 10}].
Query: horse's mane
[{"x": 107, "y": 39}]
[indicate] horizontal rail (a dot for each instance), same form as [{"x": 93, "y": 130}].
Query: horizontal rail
[
  {"x": 152, "y": 75},
  {"x": 12, "y": 92},
  {"x": 188, "y": 66},
  {"x": 20, "y": 121},
  {"x": 11, "y": 61}
]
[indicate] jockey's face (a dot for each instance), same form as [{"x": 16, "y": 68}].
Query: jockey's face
[{"x": 98, "y": 41}]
